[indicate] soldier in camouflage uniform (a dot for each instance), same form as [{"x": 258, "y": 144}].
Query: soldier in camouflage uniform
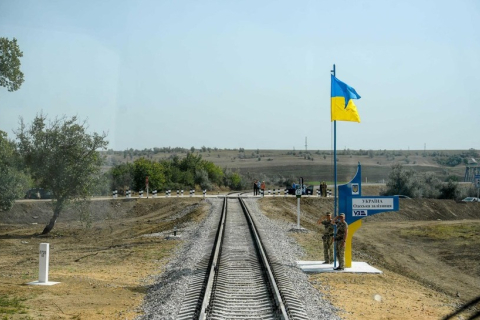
[
  {"x": 340, "y": 238},
  {"x": 327, "y": 238}
]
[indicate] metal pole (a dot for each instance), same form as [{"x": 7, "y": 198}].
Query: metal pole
[
  {"x": 298, "y": 213},
  {"x": 334, "y": 174},
  {"x": 334, "y": 156}
]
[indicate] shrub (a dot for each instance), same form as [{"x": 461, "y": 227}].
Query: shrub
[
  {"x": 402, "y": 181},
  {"x": 449, "y": 191}
]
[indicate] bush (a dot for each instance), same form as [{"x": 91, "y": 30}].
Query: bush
[
  {"x": 402, "y": 181},
  {"x": 449, "y": 191},
  {"x": 428, "y": 185}
]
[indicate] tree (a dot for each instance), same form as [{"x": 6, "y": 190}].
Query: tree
[
  {"x": 62, "y": 157},
  {"x": 13, "y": 181},
  {"x": 402, "y": 181},
  {"x": 122, "y": 176},
  {"x": 156, "y": 174},
  {"x": 10, "y": 75}
]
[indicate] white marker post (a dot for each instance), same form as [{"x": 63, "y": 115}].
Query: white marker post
[
  {"x": 298, "y": 193},
  {"x": 44, "y": 256}
]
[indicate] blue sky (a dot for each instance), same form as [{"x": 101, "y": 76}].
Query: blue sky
[{"x": 250, "y": 74}]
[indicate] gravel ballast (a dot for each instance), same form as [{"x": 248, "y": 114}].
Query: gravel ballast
[{"x": 164, "y": 298}]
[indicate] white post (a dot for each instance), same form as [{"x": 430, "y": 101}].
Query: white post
[
  {"x": 298, "y": 213},
  {"x": 43, "y": 257}
]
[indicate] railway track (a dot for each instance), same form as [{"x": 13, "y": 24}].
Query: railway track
[{"x": 239, "y": 280}]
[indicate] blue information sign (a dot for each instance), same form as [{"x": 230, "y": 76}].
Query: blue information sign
[{"x": 355, "y": 207}]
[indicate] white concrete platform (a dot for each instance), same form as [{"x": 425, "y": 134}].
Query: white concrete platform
[
  {"x": 319, "y": 267},
  {"x": 38, "y": 283}
]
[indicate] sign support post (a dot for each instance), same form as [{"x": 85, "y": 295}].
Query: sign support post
[{"x": 298, "y": 193}]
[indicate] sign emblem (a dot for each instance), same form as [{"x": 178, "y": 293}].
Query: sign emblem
[{"x": 355, "y": 189}]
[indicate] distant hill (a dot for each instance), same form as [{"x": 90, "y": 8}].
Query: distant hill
[{"x": 314, "y": 165}]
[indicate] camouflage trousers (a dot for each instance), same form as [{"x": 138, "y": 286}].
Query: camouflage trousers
[
  {"x": 340, "y": 251},
  {"x": 328, "y": 249}
]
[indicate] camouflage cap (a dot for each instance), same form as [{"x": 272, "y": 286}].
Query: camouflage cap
[
  {"x": 342, "y": 214},
  {"x": 328, "y": 214}
]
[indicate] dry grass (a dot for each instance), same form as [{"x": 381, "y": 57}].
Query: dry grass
[{"x": 104, "y": 271}]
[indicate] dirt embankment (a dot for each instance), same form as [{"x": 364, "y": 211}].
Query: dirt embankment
[{"x": 428, "y": 250}]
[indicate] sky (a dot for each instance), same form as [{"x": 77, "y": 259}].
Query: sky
[{"x": 249, "y": 74}]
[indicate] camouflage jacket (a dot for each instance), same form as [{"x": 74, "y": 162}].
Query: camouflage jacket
[
  {"x": 341, "y": 230},
  {"x": 328, "y": 227}
]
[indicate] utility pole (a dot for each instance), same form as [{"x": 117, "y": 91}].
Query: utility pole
[{"x": 305, "y": 144}]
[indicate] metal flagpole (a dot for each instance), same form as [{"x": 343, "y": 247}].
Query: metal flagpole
[
  {"x": 334, "y": 155},
  {"x": 334, "y": 174}
]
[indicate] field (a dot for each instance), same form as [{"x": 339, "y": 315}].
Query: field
[
  {"x": 313, "y": 165},
  {"x": 104, "y": 260}
]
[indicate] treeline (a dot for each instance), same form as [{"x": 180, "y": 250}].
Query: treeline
[
  {"x": 189, "y": 172},
  {"x": 408, "y": 182}
]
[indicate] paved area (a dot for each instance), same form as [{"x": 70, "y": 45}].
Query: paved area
[{"x": 319, "y": 267}]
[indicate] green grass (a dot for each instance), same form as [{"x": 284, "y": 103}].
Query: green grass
[
  {"x": 469, "y": 232},
  {"x": 12, "y": 305}
]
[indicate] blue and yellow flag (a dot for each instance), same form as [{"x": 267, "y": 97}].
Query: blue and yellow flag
[{"x": 342, "y": 106}]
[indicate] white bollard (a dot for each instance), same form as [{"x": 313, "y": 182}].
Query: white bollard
[{"x": 43, "y": 257}]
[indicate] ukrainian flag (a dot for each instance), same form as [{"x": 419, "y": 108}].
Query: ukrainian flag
[{"x": 342, "y": 106}]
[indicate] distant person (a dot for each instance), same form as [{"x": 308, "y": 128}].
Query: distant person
[
  {"x": 340, "y": 239},
  {"x": 255, "y": 188},
  {"x": 262, "y": 187},
  {"x": 327, "y": 238},
  {"x": 324, "y": 193}
]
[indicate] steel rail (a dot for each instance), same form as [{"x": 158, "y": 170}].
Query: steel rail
[
  {"x": 266, "y": 264},
  {"x": 210, "y": 284},
  {"x": 214, "y": 263}
]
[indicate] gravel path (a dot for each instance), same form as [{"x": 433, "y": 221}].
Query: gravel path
[{"x": 164, "y": 299}]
